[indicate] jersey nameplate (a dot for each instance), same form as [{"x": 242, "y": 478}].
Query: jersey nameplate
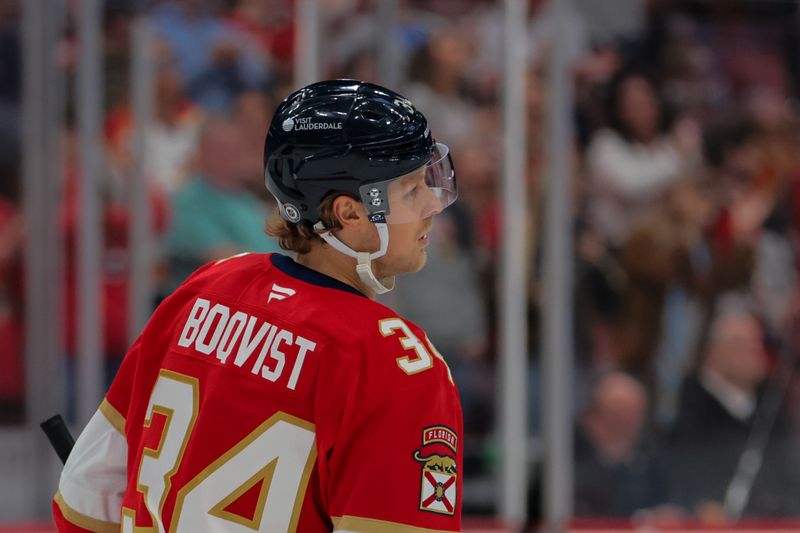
[{"x": 236, "y": 338}]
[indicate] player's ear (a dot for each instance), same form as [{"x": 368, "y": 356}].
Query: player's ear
[{"x": 349, "y": 211}]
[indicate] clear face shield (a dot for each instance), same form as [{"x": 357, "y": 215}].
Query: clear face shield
[{"x": 414, "y": 196}]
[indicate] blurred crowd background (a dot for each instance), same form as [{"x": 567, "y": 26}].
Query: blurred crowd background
[{"x": 686, "y": 222}]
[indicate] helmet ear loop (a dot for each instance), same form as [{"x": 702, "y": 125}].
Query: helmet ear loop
[
  {"x": 364, "y": 265},
  {"x": 363, "y": 259}
]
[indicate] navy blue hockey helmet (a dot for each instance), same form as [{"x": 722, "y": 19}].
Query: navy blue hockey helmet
[{"x": 358, "y": 138}]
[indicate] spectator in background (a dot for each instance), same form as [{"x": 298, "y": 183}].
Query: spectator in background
[
  {"x": 631, "y": 163},
  {"x": 252, "y": 112},
  {"x": 616, "y": 472},
  {"x": 214, "y": 215},
  {"x": 217, "y": 60},
  {"x": 438, "y": 84},
  {"x": 486, "y": 25},
  {"x": 171, "y": 137},
  {"x": 774, "y": 279},
  {"x": 735, "y": 160},
  {"x": 352, "y": 31},
  {"x": 666, "y": 266},
  {"x": 718, "y": 405},
  {"x": 270, "y": 23},
  {"x": 617, "y": 469}
]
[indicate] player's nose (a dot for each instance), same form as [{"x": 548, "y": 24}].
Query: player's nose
[{"x": 433, "y": 205}]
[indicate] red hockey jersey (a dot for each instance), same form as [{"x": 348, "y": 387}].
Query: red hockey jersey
[{"x": 265, "y": 396}]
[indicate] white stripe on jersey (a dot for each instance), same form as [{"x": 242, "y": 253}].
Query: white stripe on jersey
[{"x": 95, "y": 475}]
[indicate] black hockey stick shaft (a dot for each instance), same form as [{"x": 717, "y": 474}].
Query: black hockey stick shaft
[{"x": 59, "y": 436}]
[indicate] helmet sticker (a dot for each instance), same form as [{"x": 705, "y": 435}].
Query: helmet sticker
[
  {"x": 405, "y": 104},
  {"x": 291, "y": 212}
]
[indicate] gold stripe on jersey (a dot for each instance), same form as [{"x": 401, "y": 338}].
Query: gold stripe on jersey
[
  {"x": 232, "y": 257},
  {"x": 357, "y": 524},
  {"x": 86, "y": 522},
  {"x": 112, "y": 415},
  {"x": 265, "y": 477},
  {"x": 129, "y": 523}
]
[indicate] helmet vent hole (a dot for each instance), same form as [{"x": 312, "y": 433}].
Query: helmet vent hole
[{"x": 372, "y": 115}]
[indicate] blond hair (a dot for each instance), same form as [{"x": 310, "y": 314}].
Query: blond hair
[{"x": 299, "y": 237}]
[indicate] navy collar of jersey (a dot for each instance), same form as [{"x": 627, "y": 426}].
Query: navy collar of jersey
[{"x": 288, "y": 266}]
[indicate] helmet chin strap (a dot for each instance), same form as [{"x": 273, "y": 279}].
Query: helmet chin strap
[{"x": 364, "y": 259}]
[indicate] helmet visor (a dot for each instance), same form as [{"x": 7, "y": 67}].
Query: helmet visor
[{"x": 414, "y": 196}]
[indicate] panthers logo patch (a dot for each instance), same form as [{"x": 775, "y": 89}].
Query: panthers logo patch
[{"x": 438, "y": 493}]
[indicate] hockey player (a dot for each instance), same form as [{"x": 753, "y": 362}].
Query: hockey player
[{"x": 270, "y": 394}]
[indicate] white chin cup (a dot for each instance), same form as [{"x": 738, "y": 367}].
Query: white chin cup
[{"x": 364, "y": 259}]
